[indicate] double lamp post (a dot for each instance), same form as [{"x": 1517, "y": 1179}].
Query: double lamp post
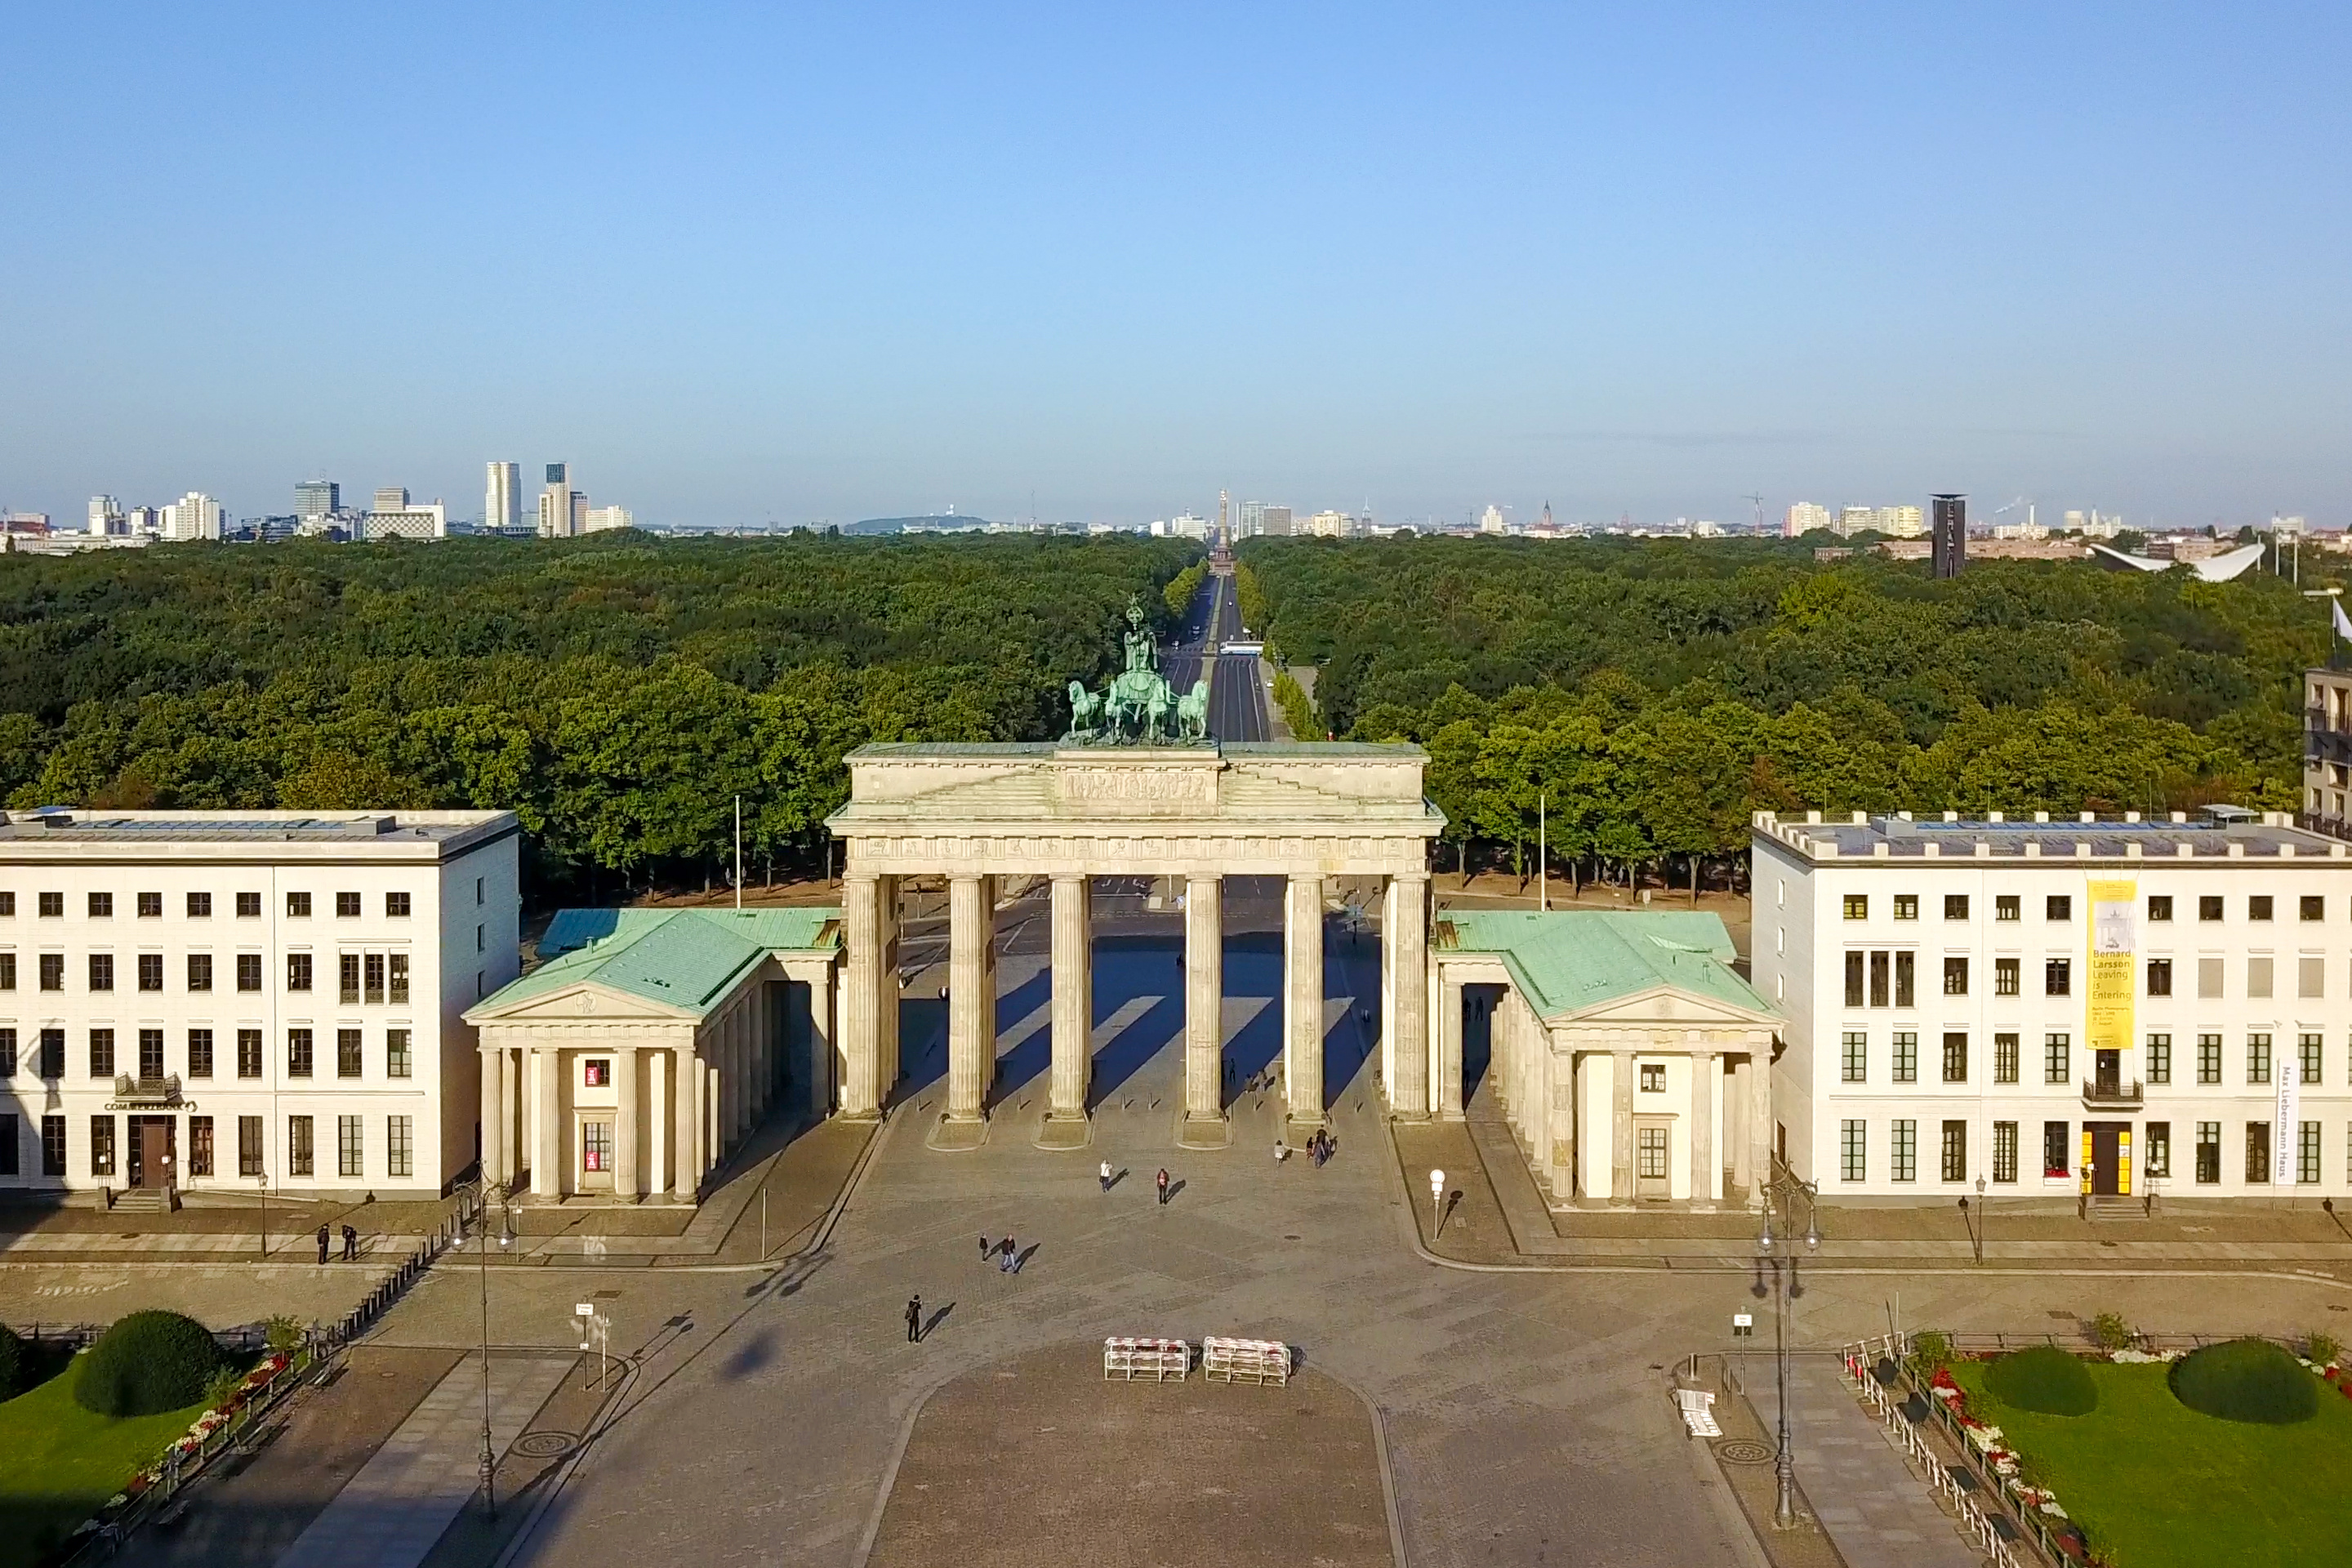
[{"x": 1779, "y": 1255}]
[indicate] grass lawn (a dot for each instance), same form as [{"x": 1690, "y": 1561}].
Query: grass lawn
[
  {"x": 2160, "y": 1486},
  {"x": 58, "y": 1462}
]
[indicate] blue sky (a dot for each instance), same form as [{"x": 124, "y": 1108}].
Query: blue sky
[{"x": 737, "y": 264}]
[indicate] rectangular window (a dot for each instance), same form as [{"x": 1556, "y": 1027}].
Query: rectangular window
[
  {"x": 2004, "y": 1058},
  {"x": 150, "y": 971},
  {"x": 2209, "y": 1059},
  {"x": 298, "y": 1053},
  {"x": 53, "y": 1054},
  {"x": 2054, "y": 1159},
  {"x": 200, "y": 1053},
  {"x": 2258, "y": 1059},
  {"x": 347, "y": 1053},
  {"x": 1907, "y": 905},
  {"x": 2004, "y": 977},
  {"x": 2059, "y": 907},
  {"x": 1902, "y": 1152},
  {"x": 1857, "y": 906},
  {"x": 2310, "y": 975},
  {"x": 248, "y": 905},
  {"x": 2208, "y": 908},
  {"x": 2056, "y": 1064},
  {"x": 53, "y": 1145},
  {"x": 1906, "y": 988},
  {"x": 7, "y": 1053},
  {"x": 2258, "y": 1152},
  {"x": 2159, "y": 977},
  {"x": 1955, "y": 1163},
  {"x": 2258, "y": 975},
  {"x": 151, "y": 906},
  {"x": 2004, "y": 1150},
  {"x": 373, "y": 966},
  {"x": 2004, "y": 906},
  {"x": 151, "y": 1053},
  {"x": 248, "y": 1052},
  {"x": 2159, "y": 1058},
  {"x": 1906, "y": 1056},
  {"x": 7, "y": 904},
  {"x": 2307, "y": 1059},
  {"x": 1955, "y": 1057},
  {"x": 1653, "y": 1076},
  {"x": 200, "y": 1145},
  {"x": 200, "y": 971},
  {"x": 1956, "y": 906},
  {"x": 2159, "y": 1150},
  {"x": 298, "y": 1146},
  {"x": 1880, "y": 972},
  {"x": 597, "y": 1072},
  {"x": 101, "y": 1053},
  {"x": 248, "y": 971},
  {"x": 347, "y": 905},
  {"x": 297, "y": 906},
  {"x": 8, "y": 1149},
  {"x": 2307, "y": 1153},
  {"x": 399, "y": 1146},
  {"x": 2258, "y": 907},
  {"x": 1956, "y": 976},
  {"x": 200, "y": 906},
  {"x": 2058, "y": 977},
  {"x": 1854, "y": 1146},
  {"x": 477, "y": 892},
  {"x": 1853, "y": 1061},
  {"x": 2314, "y": 907},
  {"x": 396, "y": 905},
  {"x": 102, "y": 906},
  {"x": 1853, "y": 962},
  {"x": 395, "y": 1053},
  {"x": 2160, "y": 906},
  {"x": 52, "y": 907},
  {"x": 399, "y": 964},
  {"x": 53, "y": 971},
  {"x": 249, "y": 1146},
  {"x": 349, "y": 1153},
  {"x": 102, "y": 1145},
  {"x": 298, "y": 972},
  {"x": 348, "y": 971},
  {"x": 7, "y": 972},
  {"x": 478, "y": 939},
  {"x": 101, "y": 971}
]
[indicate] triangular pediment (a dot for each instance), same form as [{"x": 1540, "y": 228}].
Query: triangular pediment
[
  {"x": 584, "y": 1002},
  {"x": 1664, "y": 1005}
]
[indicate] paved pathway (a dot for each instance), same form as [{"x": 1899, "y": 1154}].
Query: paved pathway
[
  {"x": 1879, "y": 1513},
  {"x": 391, "y": 1513}
]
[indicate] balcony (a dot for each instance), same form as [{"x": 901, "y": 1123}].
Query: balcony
[
  {"x": 135, "y": 1093},
  {"x": 2112, "y": 1094}
]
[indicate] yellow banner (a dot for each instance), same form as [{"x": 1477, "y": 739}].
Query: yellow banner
[{"x": 2114, "y": 909}]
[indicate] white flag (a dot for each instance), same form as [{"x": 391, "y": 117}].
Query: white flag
[{"x": 2343, "y": 621}]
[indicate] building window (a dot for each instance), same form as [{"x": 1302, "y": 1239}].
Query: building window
[
  {"x": 2313, "y": 907},
  {"x": 151, "y": 906},
  {"x": 200, "y": 1145},
  {"x": 298, "y": 972},
  {"x": 53, "y": 1145},
  {"x": 2310, "y": 976},
  {"x": 395, "y": 1053},
  {"x": 1902, "y": 1152},
  {"x": 298, "y": 1146},
  {"x": 373, "y": 965},
  {"x": 347, "y": 1053},
  {"x": 2004, "y": 1058},
  {"x": 102, "y": 906},
  {"x": 248, "y": 1052},
  {"x": 297, "y": 906},
  {"x": 1907, "y": 905},
  {"x": 2159, "y": 1150},
  {"x": 1956, "y": 977},
  {"x": 2209, "y": 978},
  {"x": 2258, "y": 907},
  {"x": 477, "y": 940},
  {"x": 399, "y": 1146},
  {"x": 2307, "y": 1153},
  {"x": 1853, "y": 962},
  {"x": 2209, "y": 1059},
  {"x": 101, "y": 971},
  {"x": 1905, "y": 985},
  {"x": 2054, "y": 1162},
  {"x": 8, "y": 903},
  {"x": 2004, "y": 977},
  {"x": 2258, "y": 1059},
  {"x": 1955, "y": 1163},
  {"x": 7, "y": 1053},
  {"x": 1906, "y": 1056},
  {"x": 2059, "y": 907},
  {"x": 2159, "y": 977},
  {"x": 477, "y": 892},
  {"x": 1880, "y": 970},
  {"x": 200, "y": 1053},
  {"x": 53, "y": 1054},
  {"x": 8, "y": 1150},
  {"x": 200, "y": 971},
  {"x": 298, "y": 1053},
  {"x": 2208, "y": 908},
  {"x": 200, "y": 906},
  {"x": 52, "y": 907},
  {"x": 53, "y": 971},
  {"x": 349, "y": 1153},
  {"x": 2307, "y": 1059},
  {"x": 248, "y": 905},
  {"x": 2004, "y": 1150},
  {"x": 1956, "y": 906},
  {"x": 1955, "y": 1057},
  {"x": 7, "y": 972},
  {"x": 248, "y": 971},
  {"x": 2258, "y": 975},
  {"x": 396, "y": 905},
  {"x": 1653, "y": 1076},
  {"x": 347, "y": 968},
  {"x": 101, "y": 1053},
  {"x": 597, "y": 1072},
  {"x": 1649, "y": 1149},
  {"x": 2258, "y": 1154},
  {"x": 2055, "y": 1052},
  {"x": 102, "y": 1145},
  {"x": 347, "y": 905},
  {"x": 1857, "y": 906},
  {"x": 2058, "y": 977},
  {"x": 2159, "y": 1058},
  {"x": 151, "y": 1053},
  {"x": 399, "y": 963},
  {"x": 1854, "y": 1065},
  {"x": 2160, "y": 906},
  {"x": 1854, "y": 1155},
  {"x": 249, "y": 1146},
  {"x": 2004, "y": 906},
  {"x": 150, "y": 971}
]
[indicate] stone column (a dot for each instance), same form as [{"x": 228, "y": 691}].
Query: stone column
[
  {"x": 1204, "y": 999},
  {"x": 1703, "y": 1164},
  {"x": 822, "y": 1083},
  {"x": 1580, "y": 1184},
  {"x": 1073, "y": 1020},
  {"x": 1564, "y": 1131},
  {"x": 494, "y": 1140},
  {"x": 1621, "y": 1127},
  {"x": 548, "y": 1165},
  {"x": 660, "y": 1168},
  {"x": 746, "y": 1103},
  {"x": 1408, "y": 959},
  {"x": 624, "y": 1124},
  {"x": 1449, "y": 1048},
  {"x": 684, "y": 1072},
  {"x": 870, "y": 989},
  {"x": 1302, "y": 1013},
  {"x": 971, "y": 999},
  {"x": 1739, "y": 1116},
  {"x": 1760, "y": 1118},
  {"x": 511, "y": 1126}
]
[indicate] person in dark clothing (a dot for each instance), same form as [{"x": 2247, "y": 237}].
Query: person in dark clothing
[
  {"x": 914, "y": 1319},
  {"x": 351, "y": 1244},
  {"x": 322, "y": 1243},
  {"x": 1005, "y": 1254},
  {"x": 1163, "y": 1186}
]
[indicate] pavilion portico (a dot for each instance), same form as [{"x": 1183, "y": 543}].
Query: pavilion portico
[{"x": 972, "y": 815}]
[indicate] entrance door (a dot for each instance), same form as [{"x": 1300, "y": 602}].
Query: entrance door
[
  {"x": 152, "y": 1145},
  {"x": 1650, "y": 1144},
  {"x": 595, "y": 1173},
  {"x": 2106, "y": 1156}
]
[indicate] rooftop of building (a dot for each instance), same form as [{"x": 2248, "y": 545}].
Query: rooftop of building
[
  {"x": 2218, "y": 833},
  {"x": 688, "y": 958},
  {"x": 1569, "y": 961},
  {"x": 179, "y": 831}
]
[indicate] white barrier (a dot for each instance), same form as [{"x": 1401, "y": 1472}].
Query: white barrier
[
  {"x": 1146, "y": 1360},
  {"x": 1244, "y": 1361}
]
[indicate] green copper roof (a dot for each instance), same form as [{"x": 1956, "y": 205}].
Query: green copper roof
[
  {"x": 685, "y": 958},
  {"x": 1566, "y": 961}
]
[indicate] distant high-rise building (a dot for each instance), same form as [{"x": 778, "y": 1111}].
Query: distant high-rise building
[
  {"x": 1803, "y": 517},
  {"x": 596, "y": 519},
  {"x": 194, "y": 516},
  {"x": 390, "y": 498},
  {"x": 502, "y": 499},
  {"x": 317, "y": 500},
  {"x": 410, "y": 520},
  {"x": 1330, "y": 525},
  {"x": 1275, "y": 520},
  {"x": 143, "y": 520},
  {"x": 1900, "y": 522},
  {"x": 555, "y": 504},
  {"x": 105, "y": 517},
  {"x": 1949, "y": 544},
  {"x": 1491, "y": 520},
  {"x": 1853, "y": 519}
]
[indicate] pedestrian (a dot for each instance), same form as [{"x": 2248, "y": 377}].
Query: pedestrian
[
  {"x": 1281, "y": 1152},
  {"x": 1004, "y": 1256},
  {"x": 1103, "y": 1175},
  {"x": 351, "y": 1244},
  {"x": 914, "y": 1319},
  {"x": 1163, "y": 1186},
  {"x": 987, "y": 1248},
  {"x": 322, "y": 1243}
]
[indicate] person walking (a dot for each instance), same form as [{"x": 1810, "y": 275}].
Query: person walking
[
  {"x": 1163, "y": 1186},
  {"x": 351, "y": 1244},
  {"x": 1103, "y": 1175},
  {"x": 1281, "y": 1152},
  {"x": 1004, "y": 1256},
  {"x": 914, "y": 1319},
  {"x": 322, "y": 1243}
]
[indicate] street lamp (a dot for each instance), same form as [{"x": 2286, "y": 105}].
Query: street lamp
[
  {"x": 1785, "y": 1284},
  {"x": 506, "y": 1238},
  {"x": 262, "y": 1179}
]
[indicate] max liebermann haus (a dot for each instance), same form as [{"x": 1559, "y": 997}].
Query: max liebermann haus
[{"x": 329, "y": 1003}]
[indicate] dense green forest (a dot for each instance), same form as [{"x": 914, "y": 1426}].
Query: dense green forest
[
  {"x": 1653, "y": 692},
  {"x": 616, "y": 691}
]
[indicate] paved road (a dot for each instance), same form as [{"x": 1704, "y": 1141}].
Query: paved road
[{"x": 1237, "y": 709}]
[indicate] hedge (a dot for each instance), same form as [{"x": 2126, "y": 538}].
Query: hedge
[
  {"x": 2246, "y": 1380},
  {"x": 2044, "y": 1379},
  {"x": 147, "y": 1364}
]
